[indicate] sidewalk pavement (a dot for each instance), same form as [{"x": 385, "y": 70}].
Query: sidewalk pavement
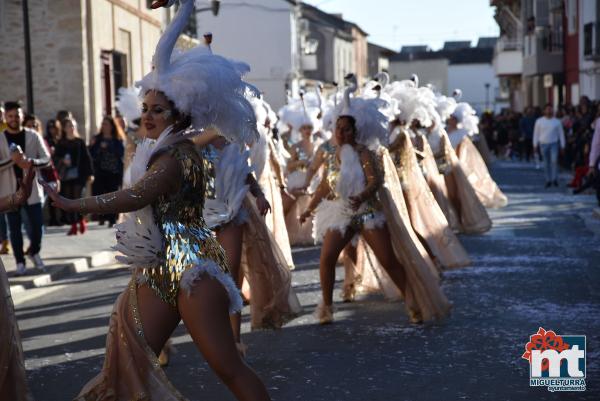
[{"x": 64, "y": 255}]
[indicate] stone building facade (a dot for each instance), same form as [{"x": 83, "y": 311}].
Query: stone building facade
[{"x": 82, "y": 51}]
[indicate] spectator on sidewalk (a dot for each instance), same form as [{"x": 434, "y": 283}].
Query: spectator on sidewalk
[
  {"x": 75, "y": 170},
  {"x": 64, "y": 115},
  {"x": 52, "y": 137},
  {"x": 33, "y": 123},
  {"x": 2, "y": 120},
  {"x": 594, "y": 159},
  {"x": 107, "y": 151},
  {"x": 526, "y": 126},
  {"x": 4, "y": 244},
  {"x": 19, "y": 146},
  {"x": 4, "y": 247},
  {"x": 549, "y": 137}
]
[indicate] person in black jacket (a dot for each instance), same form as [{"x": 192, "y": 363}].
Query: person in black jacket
[
  {"x": 75, "y": 170},
  {"x": 107, "y": 151}
]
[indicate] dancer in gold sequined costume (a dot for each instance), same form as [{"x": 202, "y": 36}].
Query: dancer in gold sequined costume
[
  {"x": 179, "y": 270},
  {"x": 351, "y": 200}
]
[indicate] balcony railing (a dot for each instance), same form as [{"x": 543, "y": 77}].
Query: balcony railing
[
  {"x": 508, "y": 44},
  {"x": 544, "y": 39},
  {"x": 591, "y": 41}
]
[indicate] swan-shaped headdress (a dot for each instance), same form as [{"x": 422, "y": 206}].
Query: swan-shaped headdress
[
  {"x": 201, "y": 84},
  {"x": 371, "y": 123}
]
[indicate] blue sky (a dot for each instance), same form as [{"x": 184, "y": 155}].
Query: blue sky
[{"x": 394, "y": 23}]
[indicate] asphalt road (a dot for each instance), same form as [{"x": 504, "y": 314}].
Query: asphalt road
[{"x": 539, "y": 266}]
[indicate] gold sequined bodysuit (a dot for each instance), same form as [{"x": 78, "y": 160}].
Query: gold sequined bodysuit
[
  {"x": 370, "y": 210},
  {"x": 188, "y": 242}
]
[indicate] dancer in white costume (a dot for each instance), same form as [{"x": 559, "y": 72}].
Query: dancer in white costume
[
  {"x": 179, "y": 269},
  {"x": 268, "y": 158},
  {"x": 417, "y": 105},
  {"x": 461, "y": 127},
  {"x": 348, "y": 203},
  {"x": 304, "y": 116},
  {"x": 323, "y": 159}
]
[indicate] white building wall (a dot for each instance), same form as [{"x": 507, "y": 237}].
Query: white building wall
[
  {"x": 471, "y": 79},
  {"x": 434, "y": 72},
  {"x": 343, "y": 59},
  {"x": 589, "y": 70},
  {"x": 263, "y": 34}
]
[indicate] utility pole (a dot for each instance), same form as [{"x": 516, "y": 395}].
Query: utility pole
[{"x": 28, "y": 73}]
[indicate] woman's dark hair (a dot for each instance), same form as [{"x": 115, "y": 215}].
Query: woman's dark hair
[
  {"x": 29, "y": 117},
  {"x": 53, "y": 123},
  {"x": 351, "y": 120},
  {"x": 63, "y": 115},
  {"x": 36, "y": 122},
  {"x": 116, "y": 130},
  {"x": 182, "y": 121}
]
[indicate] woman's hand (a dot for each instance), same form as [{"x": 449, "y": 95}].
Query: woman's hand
[
  {"x": 305, "y": 215},
  {"x": 286, "y": 194},
  {"x": 68, "y": 205},
  {"x": 159, "y": 4},
  {"x": 20, "y": 160},
  {"x": 355, "y": 201},
  {"x": 263, "y": 205},
  {"x": 25, "y": 185}
]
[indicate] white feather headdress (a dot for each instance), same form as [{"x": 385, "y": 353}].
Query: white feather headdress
[
  {"x": 371, "y": 123},
  {"x": 467, "y": 117},
  {"x": 129, "y": 105},
  {"x": 201, "y": 84}
]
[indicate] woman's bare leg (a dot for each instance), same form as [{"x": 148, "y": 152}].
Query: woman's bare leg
[
  {"x": 349, "y": 259},
  {"x": 205, "y": 313},
  {"x": 159, "y": 319},
  {"x": 287, "y": 202},
  {"x": 230, "y": 237},
  {"x": 380, "y": 242},
  {"x": 333, "y": 243}
]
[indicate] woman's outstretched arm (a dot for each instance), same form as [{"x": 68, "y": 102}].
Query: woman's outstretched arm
[
  {"x": 162, "y": 177},
  {"x": 12, "y": 201}
]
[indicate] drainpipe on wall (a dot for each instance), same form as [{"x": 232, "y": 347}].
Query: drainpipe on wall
[{"x": 28, "y": 72}]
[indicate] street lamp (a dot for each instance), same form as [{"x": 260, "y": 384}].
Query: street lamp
[
  {"x": 28, "y": 72},
  {"x": 487, "y": 95},
  {"x": 214, "y": 7}
]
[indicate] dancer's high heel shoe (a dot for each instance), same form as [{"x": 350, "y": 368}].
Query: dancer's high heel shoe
[
  {"x": 349, "y": 293},
  {"x": 5, "y": 248},
  {"x": 165, "y": 354},
  {"x": 73, "y": 230},
  {"x": 324, "y": 313},
  {"x": 415, "y": 316}
]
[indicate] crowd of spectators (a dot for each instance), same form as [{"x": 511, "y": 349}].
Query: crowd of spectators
[
  {"x": 63, "y": 159},
  {"x": 510, "y": 135}
]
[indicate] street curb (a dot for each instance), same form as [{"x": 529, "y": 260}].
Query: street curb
[{"x": 61, "y": 271}]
